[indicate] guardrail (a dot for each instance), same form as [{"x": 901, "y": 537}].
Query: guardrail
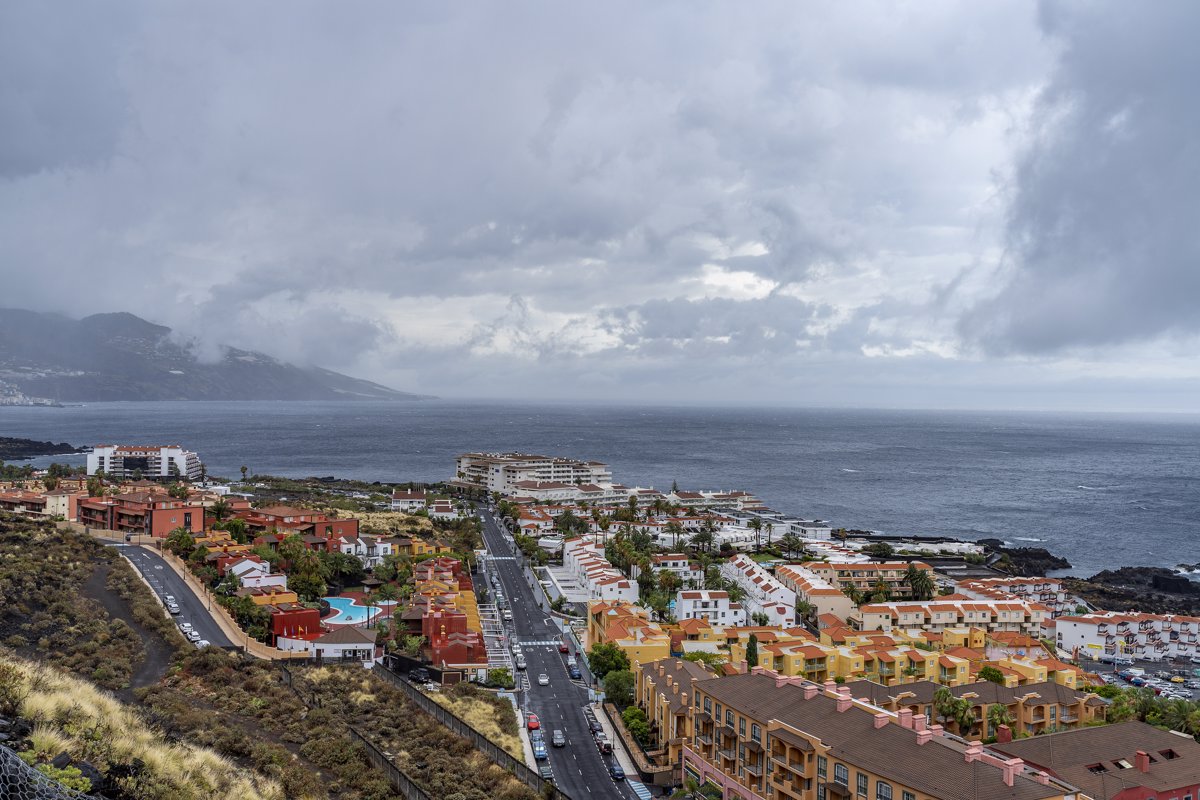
[{"x": 496, "y": 754}]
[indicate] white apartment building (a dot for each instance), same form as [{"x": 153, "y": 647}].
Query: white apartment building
[
  {"x": 714, "y": 606},
  {"x": 817, "y": 529},
  {"x": 764, "y": 594},
  {"x": 1144, "y": 636},
  {"x": 811, "y": 588},
  {"x": 1047, "y": 591},
  {"x": 688, "y": 571},
  {"x": 408, "y": 501},
  {"x": 584, "y": 560},
  {"x": 941, "y": 613},
  {"x": 442, "y": 509},
  {"x": 256, "y": 574},
  {"x": 501, "y": 472},
  {"x": 126, "y": 462},
  {"x": 370, "y": 550}
]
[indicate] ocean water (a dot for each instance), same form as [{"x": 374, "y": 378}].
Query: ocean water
[{"x": 1101, "y": 490}]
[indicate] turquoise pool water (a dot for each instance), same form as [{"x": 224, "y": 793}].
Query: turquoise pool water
[{"x": 348, "y": 612}]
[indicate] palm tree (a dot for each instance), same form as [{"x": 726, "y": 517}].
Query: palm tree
[
  {"x": 756, "y": 526},
  {"x": 944, "y": 702},
  {"x": 997, "y": 715},
  {"x": 791, "y": 543},
  {"x": 770, "y": 530},
  {"x": 676, "y": 530},
  {"x": 919, "y": 582},
  {"x": 220, "y": 509},
  {"x": 245, "y": 469}
]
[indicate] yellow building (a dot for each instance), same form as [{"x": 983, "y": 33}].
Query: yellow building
[{"x": 630, "y": 628}]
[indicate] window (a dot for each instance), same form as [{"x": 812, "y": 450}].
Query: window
[
  {"x": 822, "y": 768},
  {"x": 841, "y": 774},
  {"x": 697, "y": 701},
  {"x": 756, "y": 733},
  {"x": 742, "y": 727},
  {"x": 861, "y": 778},
  {"x": 820, "y": 791},
  {"x": 883, "y": 791},
  {"x": 718, "y": 711},
  {"x": 729, "y": 717},
  {"x": 708, "y": 704},
  {"x": 907, "y": 795}
]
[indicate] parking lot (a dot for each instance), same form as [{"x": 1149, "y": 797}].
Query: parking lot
[{"x": 1154, "y": 674}]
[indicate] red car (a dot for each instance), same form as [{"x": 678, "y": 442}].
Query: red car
[
  {"x": 562, "y": 648},
  {"x": 533, "y": 722}
]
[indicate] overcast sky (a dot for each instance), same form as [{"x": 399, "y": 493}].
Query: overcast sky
[{"x": 988, "y": 204}]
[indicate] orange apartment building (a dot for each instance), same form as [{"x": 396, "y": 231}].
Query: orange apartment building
[{"x": 141, "y": 513}]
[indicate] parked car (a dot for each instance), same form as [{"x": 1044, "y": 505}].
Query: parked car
[
  {"x": 559, "y": 739},
  {"x": 203, "y": 643},
  {"x": 574, "y": 673},
  {"x": 539, "y": 751},
  {"x": 520, "y": 661},
  {"x": 532, "y": 722},
  {"x": 537, "y": 736},
  {"x": 603, "y": 743},
  {"x": 420, "y": 675},
  {"x": 516, "y": 647},
  {"x": 562, "y": 647},
  {"x": 571, "y": 662},
  {"x": 174, "y": 610},
  {"x": 507, "y": 615},
  {"x": 192, "y": 636},
  {"x": 543, "y": 679},
  {"x": 614, "y": 769},
  {"x": 185, "y": 626},
  {"x": 546, "y": 773}
]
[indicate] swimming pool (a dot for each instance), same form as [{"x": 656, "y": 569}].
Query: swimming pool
[{"x": 349, "y": 612}]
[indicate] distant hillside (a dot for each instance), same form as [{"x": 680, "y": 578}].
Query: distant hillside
[{"x": 124, "y": 357}]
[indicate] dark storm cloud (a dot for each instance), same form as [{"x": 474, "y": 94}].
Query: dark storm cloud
[
  {"x": 1103, "y": 240},
  {"x": 562, "y": 198}
]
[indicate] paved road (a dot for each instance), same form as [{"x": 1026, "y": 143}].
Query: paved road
[
  {"x": 165, "y": 581},
  {"x": 580, "y": 769}
]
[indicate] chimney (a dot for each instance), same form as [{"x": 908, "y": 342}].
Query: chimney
[
  {"x": 684, "y": 700},
  {"x": 924, "y": 736},
  {"x": 1142, "y": 761},
  {"x": 974, "y": 751},
  {"x": 918, "y": 722},
  {"x": 936, "y": 730},
  {"x": 670, "y": 680},
  {"x": 780, "y": 680},
  {"x": 905, "y": 716},
  {"x": 881, "y": 719},
  {"x": 1003, "y": 734},
  {"x": 678, "y": 665},
  {"x": 810, "y": 690},
  {"x": 756, "y": 670},
  {"x": 1042, "y": 777},
  {"x": 675, "y": 689},
  {"x": 844, "y": 701},
  {"x": 1011, "y": 769},
  {"x": 831, "y": 687}
]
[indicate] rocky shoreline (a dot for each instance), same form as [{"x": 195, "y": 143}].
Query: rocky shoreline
[
  {"x": 21, "y": 449},
  {"x": 1154, "y": 590}
]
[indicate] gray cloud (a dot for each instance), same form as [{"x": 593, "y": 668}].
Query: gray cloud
[
  {"x": 577, "y": 199},
  {"x": 1103, "y": 246}
]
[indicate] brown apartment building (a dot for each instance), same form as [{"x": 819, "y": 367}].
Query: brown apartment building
[
  {"x": 664, "y": 692},
  {"x": 1034, "y": 708},
  {"x": 761, "y": 736},
  {"x": 1124, "y": 761}
]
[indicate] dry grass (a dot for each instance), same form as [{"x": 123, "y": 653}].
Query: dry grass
[
  {"x": 393, "y": 522},
  {"x": 74, "y": 716},
  {"x": 481, "y": 716}
]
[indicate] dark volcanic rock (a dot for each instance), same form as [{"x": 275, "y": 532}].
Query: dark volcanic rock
[
  {"x": 1033, "y": 562},
  {"x": 1154, "y": 590},
  {"x": 18, "y": 449}
]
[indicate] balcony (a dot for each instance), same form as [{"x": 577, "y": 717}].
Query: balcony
[
  {"x": 754, "y": 768},
  {"x": 704, "y": 739},
  {"x": 728, "y": 753}
]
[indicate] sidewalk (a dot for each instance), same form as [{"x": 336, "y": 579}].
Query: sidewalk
[{"x": 619, "y": 753}]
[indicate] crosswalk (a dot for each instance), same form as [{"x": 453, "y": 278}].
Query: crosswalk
[
  {"x": 639, "y": 789},
  {"x": 547, "y": 642},
  {"x": 501, "y": 558}
]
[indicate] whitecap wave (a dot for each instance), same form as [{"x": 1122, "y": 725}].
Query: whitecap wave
[
  {"x": 1092, "y": 488},
  {"x": 847, "y": 469},
  {"x": 1028, "y": 539}
]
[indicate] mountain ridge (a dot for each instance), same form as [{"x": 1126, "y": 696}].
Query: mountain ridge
[{"x": 120, "y": 356}]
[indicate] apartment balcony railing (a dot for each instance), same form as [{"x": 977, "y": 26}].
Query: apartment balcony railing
[
  {"x": 754, "y": 768},
  {"x": 727, "y": 753}
]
